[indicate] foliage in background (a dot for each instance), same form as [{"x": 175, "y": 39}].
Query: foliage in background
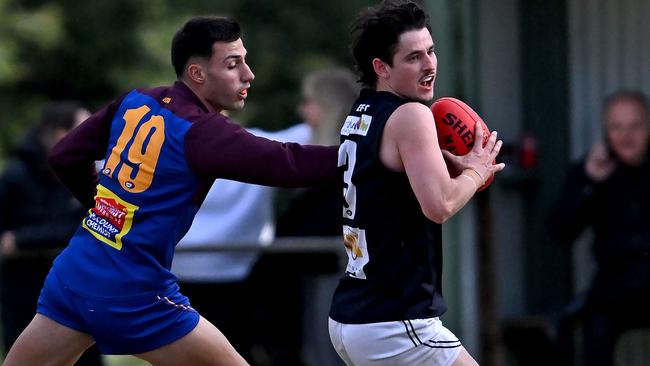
[{"x": 95, "y": 50}]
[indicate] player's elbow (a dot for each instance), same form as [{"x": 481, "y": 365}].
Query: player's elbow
[{"x": 438, "y": 213}]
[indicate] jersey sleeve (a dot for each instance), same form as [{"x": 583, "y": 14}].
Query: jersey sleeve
[
  {"x": 218, "y": 148},
  {"x": 73, "y": 158}
]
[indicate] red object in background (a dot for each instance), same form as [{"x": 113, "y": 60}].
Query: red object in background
[{"x": 528, "y": 153}]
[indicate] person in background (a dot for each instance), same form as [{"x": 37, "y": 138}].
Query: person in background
[
  {"x": 233, "y": 214},
  {"x": 246, "y": 216},
  {"x": 327, "y": 96},
  {"x": 37, "y": 218},
  {"x": 607, "y": 191}
]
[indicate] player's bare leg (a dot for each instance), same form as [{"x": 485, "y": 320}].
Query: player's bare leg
[
  {"x": 46, "y": 342},
  {"x": 464, "y": 359},
  {"x": 205, "y": 345}
]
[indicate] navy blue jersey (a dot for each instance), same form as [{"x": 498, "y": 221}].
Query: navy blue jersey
[
  {"x": 394, "y": 252},
  {"x": 162, "y": 150}
]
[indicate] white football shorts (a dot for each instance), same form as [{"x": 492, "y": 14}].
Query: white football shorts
[{"x": 416, "y": 342}]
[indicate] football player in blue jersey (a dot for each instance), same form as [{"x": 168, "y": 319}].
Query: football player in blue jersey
[
  {"x": 398, "y": 192},
  {"x": 163, "y": 148}
]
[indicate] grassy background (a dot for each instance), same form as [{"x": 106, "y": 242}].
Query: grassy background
[{"x": 124, "y": 361}]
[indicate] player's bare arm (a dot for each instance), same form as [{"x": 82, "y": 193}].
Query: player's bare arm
[{"x": 410, "y": 144}]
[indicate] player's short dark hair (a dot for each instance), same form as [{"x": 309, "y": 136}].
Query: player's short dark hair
[
  {"x": 197, "y": 35},
  {"x": 627, "y": 95},
  {"x": 376, "y": 31}
]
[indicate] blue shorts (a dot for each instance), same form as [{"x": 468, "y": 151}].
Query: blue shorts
[{"x": 122, "y": 325}]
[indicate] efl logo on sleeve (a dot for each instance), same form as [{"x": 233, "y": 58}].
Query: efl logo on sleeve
[{"x": 110, "y": 219}]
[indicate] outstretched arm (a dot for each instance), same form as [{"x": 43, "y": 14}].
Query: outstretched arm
[{"x": 219, "y": 148}]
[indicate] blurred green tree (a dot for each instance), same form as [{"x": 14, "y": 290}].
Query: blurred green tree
[{"x": 94, "y": 50}]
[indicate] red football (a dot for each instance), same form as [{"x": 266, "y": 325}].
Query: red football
[{"x": 455, "y": 123}]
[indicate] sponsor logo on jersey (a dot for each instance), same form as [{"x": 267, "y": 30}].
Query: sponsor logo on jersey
[
  {"x": 110, "y": 219},
  {"x": 351, "y": 241},
  {"x": 355, "y": 125},
  {"x": 356, "y": 247},
  {"x": 111, "y": 210}
]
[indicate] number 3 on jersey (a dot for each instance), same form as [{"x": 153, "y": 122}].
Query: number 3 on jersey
[
  {"x": 347, "y": 159},
  {"x": 145, "y": 140}
]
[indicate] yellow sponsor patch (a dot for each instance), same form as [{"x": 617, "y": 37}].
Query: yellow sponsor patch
[{"x": 110, "y": 219}]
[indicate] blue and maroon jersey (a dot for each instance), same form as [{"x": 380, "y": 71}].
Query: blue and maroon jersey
[{"x": 162, "y": 150}]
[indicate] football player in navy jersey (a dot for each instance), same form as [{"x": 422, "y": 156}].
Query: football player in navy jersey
[
  {"x": 398, "y": 192},
  {"x": 163, "y": 149}
]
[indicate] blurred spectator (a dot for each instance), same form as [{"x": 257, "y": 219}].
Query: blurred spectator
[
  {"x": 37, "y": 218},
  {"x": 608, "y": 191},
  {"x": 233, "y": 214},
  {"x": 265, "y": 292},
  {"x": 327, "y": 96}
]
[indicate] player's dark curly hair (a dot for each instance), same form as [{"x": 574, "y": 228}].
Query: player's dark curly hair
[
  {"x": 197, "y": 36},
  {"x": 376, "y": 31}
]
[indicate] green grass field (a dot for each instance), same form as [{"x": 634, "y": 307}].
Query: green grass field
[
  {"x": 124, "y": 361},
  {"x": 117, "y": 361}
]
